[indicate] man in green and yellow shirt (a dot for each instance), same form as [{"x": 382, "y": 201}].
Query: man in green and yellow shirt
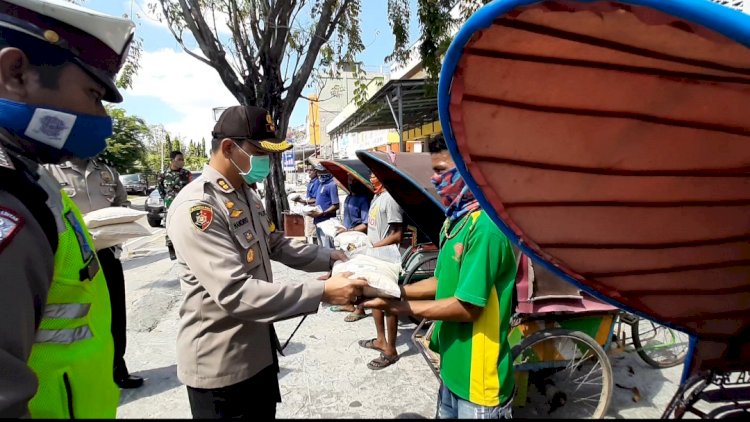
[{"x": 470, "y": 299}]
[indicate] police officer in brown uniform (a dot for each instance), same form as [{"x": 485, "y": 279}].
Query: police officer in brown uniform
[
  {"x": 226, "y": 345},
  {"x": 93, "y": 184}
]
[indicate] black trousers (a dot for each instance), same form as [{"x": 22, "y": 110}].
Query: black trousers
[
  {"x": 112, "y": 268},
  {"x": 254, "y": 399}
]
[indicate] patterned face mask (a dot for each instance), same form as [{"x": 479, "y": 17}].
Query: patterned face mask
[
  {"x": 454, "y": 194},
  {"x": 325, "y": 177}
]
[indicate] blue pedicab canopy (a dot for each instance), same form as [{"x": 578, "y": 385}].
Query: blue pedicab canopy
[
  {"x": 611, "y": 142},
  {"x": 406, "y": 176}
]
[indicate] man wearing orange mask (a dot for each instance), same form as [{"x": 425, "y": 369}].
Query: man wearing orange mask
[{"x": 384, "y": 227}]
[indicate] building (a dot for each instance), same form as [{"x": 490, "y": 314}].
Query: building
[{"x": 335, "y": 93}]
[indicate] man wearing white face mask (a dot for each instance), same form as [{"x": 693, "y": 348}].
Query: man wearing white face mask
[{"x": 226, "y": 345}]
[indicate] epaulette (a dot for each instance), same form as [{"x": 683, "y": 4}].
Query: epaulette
[
  {"x": 5, "y": 161},
  {"x": 105, "y": 161}
]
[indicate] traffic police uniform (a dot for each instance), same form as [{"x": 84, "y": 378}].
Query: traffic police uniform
[
  {"x": 94, "y": 184},
  {"x": 225, "y": 243},
  {"x": 56, "y": 348}
]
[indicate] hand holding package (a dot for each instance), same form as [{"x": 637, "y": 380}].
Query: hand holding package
[
  {"x": 308, "y": 209},
  {"x": 377, "y": 267},
  {"x": 329, "y": 226}
]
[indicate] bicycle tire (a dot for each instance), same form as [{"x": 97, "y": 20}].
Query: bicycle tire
[
  {"x": 643, "y": 351},
  {"x": 410, "y": 274},
  {"x": 559, "y": 333}
]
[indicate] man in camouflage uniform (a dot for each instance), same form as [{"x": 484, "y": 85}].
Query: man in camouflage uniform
[{"x": 171, "y": 183}]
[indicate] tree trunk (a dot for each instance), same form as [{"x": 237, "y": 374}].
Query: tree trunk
[{"x": 276, "y": 200}]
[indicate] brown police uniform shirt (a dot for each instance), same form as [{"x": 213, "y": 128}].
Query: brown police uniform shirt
[
  {"x": 27, "y": 263},
  {"x": 224, "y": 244},
  {"x": 90, "y": 183}
]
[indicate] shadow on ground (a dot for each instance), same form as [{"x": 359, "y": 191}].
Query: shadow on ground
[
  {"x": 156, "y": 381},
  {"x": 140, "y": 261}
]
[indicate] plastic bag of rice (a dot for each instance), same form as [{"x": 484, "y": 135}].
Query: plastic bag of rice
[
  {"x": 351, "y": 242},
  {"x": 380, "y": 274}
]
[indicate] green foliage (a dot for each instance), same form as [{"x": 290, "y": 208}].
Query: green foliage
[
  {"x": 160, "y": 143},
  {"x": 126, "y": 148},
  {"x": 131, "y": 66}
]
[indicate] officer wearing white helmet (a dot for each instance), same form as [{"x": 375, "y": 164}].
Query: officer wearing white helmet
[{"x": 58, "y": 62}]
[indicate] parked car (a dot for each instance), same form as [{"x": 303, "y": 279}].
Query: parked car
[
  {"x": 135, "y": 183},
  {"x": 155, "y": 208},
  {"x": 155, "y": 205}
]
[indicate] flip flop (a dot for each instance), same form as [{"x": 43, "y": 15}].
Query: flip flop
[
  {"x": 382, "y": 361},
  {"x": 352, "y": 317},
  {"x": 369, "y": 344},
  {"x": 338, "y": 308}
]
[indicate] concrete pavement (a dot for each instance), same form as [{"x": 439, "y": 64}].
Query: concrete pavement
[{"x": 324, "y": 373}]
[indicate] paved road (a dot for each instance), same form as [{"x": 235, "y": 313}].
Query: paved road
[{"x": 324, "y": 373}]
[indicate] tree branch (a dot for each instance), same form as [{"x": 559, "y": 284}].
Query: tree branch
[
  {"x": 323, "y": 30},
  {"x": 177, "y": 37}
]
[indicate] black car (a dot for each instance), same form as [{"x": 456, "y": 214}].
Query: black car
[
  {"x": 135, "y": 183},
  {"x": 155, "y": 205}
]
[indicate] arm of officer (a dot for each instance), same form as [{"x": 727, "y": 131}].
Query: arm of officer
[
  {"x": 216, "y": 262},
  {"x": 299, "y": 255},
  {"x": 27, "y": 263},
  {"x": 121, "y": 196}
]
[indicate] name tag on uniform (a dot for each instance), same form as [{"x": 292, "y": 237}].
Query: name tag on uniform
[{"x": 239, "y": 223}]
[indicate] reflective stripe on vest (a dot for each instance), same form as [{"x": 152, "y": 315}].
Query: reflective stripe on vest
[
  {"x": 67, "y": 310},
  {"x": 65, "y": 336}
]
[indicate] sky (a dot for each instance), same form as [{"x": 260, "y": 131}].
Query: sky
[{"x": 176, "y": 90}]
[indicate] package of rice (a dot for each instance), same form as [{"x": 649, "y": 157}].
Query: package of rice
[
  {"x": 381, "y": 274},
  {"x": 115, "y": 234},
  {"x": 111, "y": 215},
  {"x": 330, "y": 227},
  {"x": 351, "y": 242}
]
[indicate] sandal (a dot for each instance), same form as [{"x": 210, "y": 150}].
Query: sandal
[
  {"x": 353, "y": 317},
  {"x": 369, "y": 344},
  {"x": 339, "y": 308},
  {"x": 383, "y": 361}
]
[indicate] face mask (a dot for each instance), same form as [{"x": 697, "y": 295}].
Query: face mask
[
  {"x": 325, "y": 177},
  {"x": 377, "y": 186},
  {"x": 260, "y": 166},
  {"x": 80, "y": 135},
  {"x": 446, "y": 185}
]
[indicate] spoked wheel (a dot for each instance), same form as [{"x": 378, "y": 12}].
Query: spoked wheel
[
  {"x": 566, "y": 373},
  {"x": 422, "y": 269},
  {"x": 657, "y": 345}
]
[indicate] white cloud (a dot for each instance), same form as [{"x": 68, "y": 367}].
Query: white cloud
[{"x": 186, "y": 85}]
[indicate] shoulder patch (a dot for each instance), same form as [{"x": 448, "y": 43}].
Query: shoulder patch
[
  {"x": 10, "y": 223},
  {"x": 202, "y": 215}
]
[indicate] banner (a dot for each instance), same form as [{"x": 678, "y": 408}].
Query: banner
[{"x": 287, "y": 160}]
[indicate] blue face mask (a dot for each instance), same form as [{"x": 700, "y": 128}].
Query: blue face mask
[
  {"x": 80, "y": 135},
  {"x": 260, "y": 166}
]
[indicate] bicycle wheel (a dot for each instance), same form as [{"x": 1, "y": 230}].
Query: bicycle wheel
[
  {"x": 657, "y": 345},
  {"x": 569, "y": 376},
  {"x": 424, "y": 268}
]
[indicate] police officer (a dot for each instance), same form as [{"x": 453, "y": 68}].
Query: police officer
[
  {"x": 94, "y": 184},
  {"x": 226, "y": 346},
  {"x": 57, "y": 63},
  {"x": 170, "y": 183}
]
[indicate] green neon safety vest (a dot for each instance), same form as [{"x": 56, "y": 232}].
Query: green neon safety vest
[{"x": 73, "y": 352}]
